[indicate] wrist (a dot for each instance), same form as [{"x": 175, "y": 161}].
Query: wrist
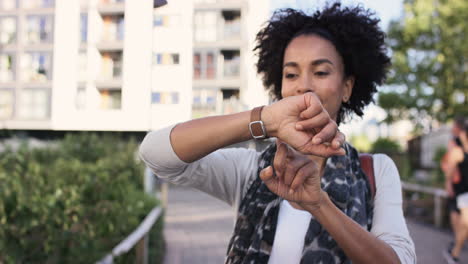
[
  {"x": 317, "y": 207},
  {"x": 268, "y": 121}
]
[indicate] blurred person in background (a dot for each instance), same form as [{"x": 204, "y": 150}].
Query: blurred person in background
[
  {"x": 305, "y": 199},
  {"x": 452, "y": 181},
  {"x": 455, "y": 167}
]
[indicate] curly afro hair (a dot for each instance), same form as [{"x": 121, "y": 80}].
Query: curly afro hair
[{"x": 352, "y": 30}]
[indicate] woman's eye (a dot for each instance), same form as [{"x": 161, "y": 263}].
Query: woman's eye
[
  {"x": 321, "y": 73},
  {"x": 290, "y": 75}
]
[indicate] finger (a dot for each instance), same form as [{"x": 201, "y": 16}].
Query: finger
[
  {"x": 322, "y": 150},
  {"x": 293, "y": 165},
  {"x": 272, "y": 182},
  {"x": 267, "y": 175},
  {"x": 326, "y": 133},
  {"x": 312, "y": 110},
  {"x": 339, "y": 140},
  {"x": 318, "y": 121},
  {"x": 308, "y": 170},
  {"x": 279, "y": 162}
]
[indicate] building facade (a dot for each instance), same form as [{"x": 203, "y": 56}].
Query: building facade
[{"x": 115, "y": 65}]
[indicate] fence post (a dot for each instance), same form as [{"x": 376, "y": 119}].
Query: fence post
[
  {"x": 164, "y": 194},
  {"x": 142, "y": 250}
]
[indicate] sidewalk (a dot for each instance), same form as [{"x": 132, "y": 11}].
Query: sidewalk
[{"x": 198, "y": 228}]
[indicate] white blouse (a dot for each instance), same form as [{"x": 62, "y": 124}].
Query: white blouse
[{"x": 225, "y": 173}]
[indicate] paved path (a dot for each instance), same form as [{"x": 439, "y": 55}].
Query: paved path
[{"x": 198, "y": 228}]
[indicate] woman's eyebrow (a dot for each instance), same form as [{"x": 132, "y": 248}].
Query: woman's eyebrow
[
  {"x": 320, "y": 61},
  {"x": 290, "y": 64},
  {"x": 313, "y": 63}
]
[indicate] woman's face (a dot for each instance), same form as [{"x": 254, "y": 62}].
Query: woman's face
[{"x": 312, "y": 64}]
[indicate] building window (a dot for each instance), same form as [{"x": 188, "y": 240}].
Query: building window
[
  {"x": 83, "y": 28},
  {"x": 110, "y": 99},
  {"x": 6, "y": 104},
  {"x": 36, "y": 67},
  {"x": 167, "y": 21},
  {"x": 204, "y": 65},
  {"x": 82, "y": 66},
  {"x": 8, "y": 4},
  {"x": 165, "y": 98},
  {"x": 210, "y": 66},
  {"x": 231, "y": 63},
  {"x": 111, "y": 65},
  {"x": 7, "y": 72},
  {"x": 113, "y": 28},
  {"x": 39, "y": 29},
  {"x": 204, "y": 99},
  {"x": 232, "y": 24},
  {"x": 205, "y": 26},
  {"x": 34, "y": 104},
  {"x": 7, "y": 30},
  {"x": 37, "y": 3},
  {"x": 165, "y": 58},
  {"x": 80, "y": 99},
  {"x": 197, "y": 65}
]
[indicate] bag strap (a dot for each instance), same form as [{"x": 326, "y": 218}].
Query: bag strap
[{"x": 367, "y": 165}]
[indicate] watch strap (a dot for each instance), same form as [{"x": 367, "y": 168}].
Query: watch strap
[{"x": 256, "y": 126}]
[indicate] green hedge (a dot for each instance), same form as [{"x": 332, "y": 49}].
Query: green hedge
[{"x": 71, "y": 202}]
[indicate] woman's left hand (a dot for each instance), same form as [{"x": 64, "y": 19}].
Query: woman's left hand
[{"x": 294, "y": 176}]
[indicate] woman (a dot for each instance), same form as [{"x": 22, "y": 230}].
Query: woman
[
  {"x": 304, "y": 199},
  {"x": 457, "y": 161}
]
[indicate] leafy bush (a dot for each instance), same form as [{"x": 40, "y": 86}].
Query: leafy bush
[
  {"x": 71, "y": 202},
  {"x": 385, "y": 145},
  {"x": 361, "y": 143}
]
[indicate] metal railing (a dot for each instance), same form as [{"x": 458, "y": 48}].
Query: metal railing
[
  {"x": 138, "y": 239},
  {"x": 439, "y": 195}
]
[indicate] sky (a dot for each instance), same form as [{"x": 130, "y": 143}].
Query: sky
[{"x": 385, "y": 9}]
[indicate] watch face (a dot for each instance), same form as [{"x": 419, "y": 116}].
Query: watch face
[{"x": 257, "y": 130}]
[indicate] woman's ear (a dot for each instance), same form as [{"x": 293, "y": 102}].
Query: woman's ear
[{"x": 348, "y": 88}]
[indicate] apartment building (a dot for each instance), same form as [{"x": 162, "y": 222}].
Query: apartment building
[
  {"x": 224, "y": 76},
  {"x": 115, "y": 65}
]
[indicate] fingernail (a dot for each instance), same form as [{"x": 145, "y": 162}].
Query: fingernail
[
  {"x": 317, "y": 141},
  {"x": 291, "y": 191},
  {"x": 299, "y": 127}
]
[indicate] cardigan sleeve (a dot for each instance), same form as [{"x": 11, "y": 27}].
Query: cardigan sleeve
[
  {"x": 389, "y": 223},
  {"x": 223, "y": 173}
]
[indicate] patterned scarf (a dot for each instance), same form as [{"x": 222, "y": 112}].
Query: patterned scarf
[{"x": 346, "y": 185}]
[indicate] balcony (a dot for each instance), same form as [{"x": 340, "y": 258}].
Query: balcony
[
  {"x": 39, "y": 29},
  {"x": 34, "y": 104},
  {"x": 207, "y": 102},
  {"x": 7, "y": 65},
  {"x": 232, "y": 24},
  {"x": 110, "y": 99},
  {"x": 110, "y": 7},
  {"x": 231, "y": 64},
  {"x": 8, "y": 5},
  {"x": 36, "y": 67},
  {"x": 216, "y": 69},
  {"x": 35, "y": 4},
  {"x": 218, "y": 29},
  {"x": 112, "y": 33},
  {"x": 8, "y": 30},
  {"x": 7, "y": 101},
  {"x": 219, "y": 4},
  {"x": 111, "y": 71}
]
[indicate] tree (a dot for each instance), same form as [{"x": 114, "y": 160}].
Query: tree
[{"x": 429, "y": 81}]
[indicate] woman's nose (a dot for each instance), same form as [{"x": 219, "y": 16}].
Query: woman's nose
[{"x": 304, "y": 85}]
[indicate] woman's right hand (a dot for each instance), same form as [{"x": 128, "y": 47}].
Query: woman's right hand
[{"x": 304, "y": 124}]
